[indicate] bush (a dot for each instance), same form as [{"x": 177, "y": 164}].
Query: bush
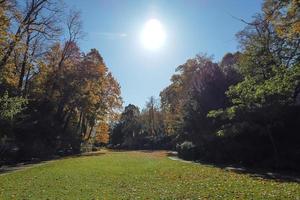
[
  {"x": 95, "y": 148},
  {"x": 187, "y": 150}
]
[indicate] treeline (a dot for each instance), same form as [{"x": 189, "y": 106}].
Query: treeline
[
  {"x": 53, "y": 96},
  {"x": 140, "y": 129},
  {"x": 244, "y": 109}
]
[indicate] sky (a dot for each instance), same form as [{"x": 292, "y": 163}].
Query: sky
[{"x": 191, "y": 27}]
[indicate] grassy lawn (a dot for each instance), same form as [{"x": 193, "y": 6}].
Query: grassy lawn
[{"x": 137, "y": 175}]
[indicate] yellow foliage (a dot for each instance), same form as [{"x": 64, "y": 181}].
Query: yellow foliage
[
  {"x": 9, "y": 76},
  {"x": 102, "y": 133},
  {"x": 296, "y": 27}
]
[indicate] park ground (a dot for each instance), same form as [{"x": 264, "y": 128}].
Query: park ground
[{"x": 138, "y": 175}]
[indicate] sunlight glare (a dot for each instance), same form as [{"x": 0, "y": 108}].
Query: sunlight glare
[{"x": 153, "y": 35}]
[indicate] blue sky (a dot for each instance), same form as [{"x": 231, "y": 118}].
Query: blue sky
[{"x": 192, "y": 26}]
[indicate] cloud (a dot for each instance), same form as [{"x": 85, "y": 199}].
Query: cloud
[{"x": 110, "y": 35}]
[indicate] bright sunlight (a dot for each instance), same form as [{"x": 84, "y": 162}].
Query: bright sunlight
[{"x": 153, "y": 35}]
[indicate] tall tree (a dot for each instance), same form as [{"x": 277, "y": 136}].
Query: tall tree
[
  {"x": 31, "y": 19},
  {"x": 151, "y": 118}
]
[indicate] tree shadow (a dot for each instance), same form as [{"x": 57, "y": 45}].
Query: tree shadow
[
  {"x": 278, "y": 176},
  {"x": 19, "y": 166},
  {"x": 257, "y": 173},
  {"x": 37, "y": 162}
]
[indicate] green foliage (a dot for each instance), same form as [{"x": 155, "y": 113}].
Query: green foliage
[
  {"x": 187, "y": 150},
  {"x": 11, "y": 106},
  {"x": 244, "y": 109},
  {"x": 141, "y": 130},
  {"x": 278, "y": 89},
  {"x": 261, "y": 104}
]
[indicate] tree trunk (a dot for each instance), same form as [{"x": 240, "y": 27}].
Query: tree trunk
[
  {"x": 26, "y": 86},
  {"x": 90, "y": 133},
  {"x": 83, "y": 126},
  {"x": 79, "y": 121},
  {"x": 23, "y": 66},
  {"x": 60, "y": 108},
  {"x": 275, "y": 150},
  {"x": 67, "y": 121}
]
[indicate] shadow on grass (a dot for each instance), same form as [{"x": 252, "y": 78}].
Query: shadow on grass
[
  {"x": 278, "y": 176},
  {"x": 37, "y": 162}
]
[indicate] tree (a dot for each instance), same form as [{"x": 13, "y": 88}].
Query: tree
[
  {"x": 70, "y": 93},
  {"x": 33, "y": 20},
  {"x": 206, "y": 93},
  {"x": 178, "y": 94},
  {"x": 10, "y": 107},
  {"x": 269, "y": 64},
  {"x": 284, "y": 16},
  {"x": 125, "y": 132},
  {"x": 130, "y": 121},
  {"x": 102, "y": 133},
  {"x": 151, "y": 118}
]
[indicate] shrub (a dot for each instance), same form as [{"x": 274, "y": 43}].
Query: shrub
[
  {"x": 187, "y": 150},
  {"x": 94, "y": 148}
]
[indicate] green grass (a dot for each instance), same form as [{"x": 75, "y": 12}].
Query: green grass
[{"x": 137, "y": 175}]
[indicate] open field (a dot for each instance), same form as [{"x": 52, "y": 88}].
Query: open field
[{"x": 137, "y": 175}]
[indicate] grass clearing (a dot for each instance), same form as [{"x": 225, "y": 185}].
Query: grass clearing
[{"x": 137, "y": 175}]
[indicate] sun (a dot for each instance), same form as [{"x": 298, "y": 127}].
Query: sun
[{"x": 153, "y": 35}]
